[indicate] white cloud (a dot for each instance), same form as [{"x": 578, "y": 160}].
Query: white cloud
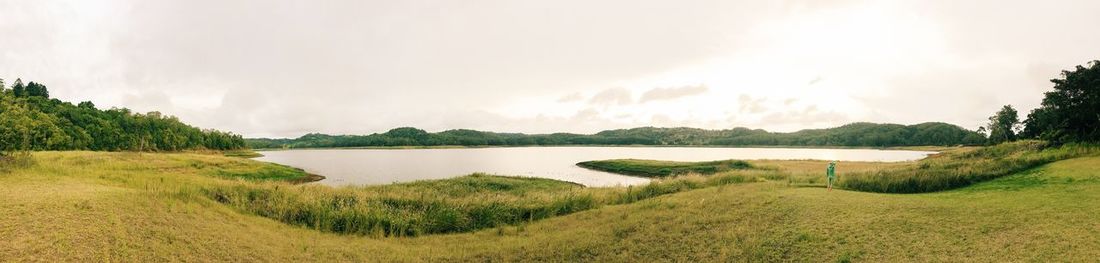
[
  {"x": 572, "y": 97},
  {"x": 751, "y": 105},
  {"x": 673, "y": 93},
  {"x": 613, "y": 96}
]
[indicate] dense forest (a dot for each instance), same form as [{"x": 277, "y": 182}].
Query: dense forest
[
  {"x": 1068, "y": 114},
  {"x": 855, "y": 134},
  {"x": 31, "y": 120}
]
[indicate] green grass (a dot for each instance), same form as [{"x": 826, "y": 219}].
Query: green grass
[
  {"x": 654, "y": 168},
  {"x": 685, "y": 183},
  {"x": 454, "y": 205},
  {"x": 411, "y": 209},
  {"x": 952, "y": 168},
  {"x": 83, "y": 206},
  {"x": 460, "y": 204},
  {"x": 963, "y": 167},
  {"x": 242, "y": 154}
]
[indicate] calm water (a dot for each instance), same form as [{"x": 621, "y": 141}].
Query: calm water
[{"x": 372, "y": 166}]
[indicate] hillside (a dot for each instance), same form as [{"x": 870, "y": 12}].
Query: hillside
[
  {"x": 31, "y": 120},
  {"x": 851, "y": 135}
]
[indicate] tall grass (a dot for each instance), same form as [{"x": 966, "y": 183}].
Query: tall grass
[
  {"x": 454, "y": 205},
  {"x": 14, "y": 160},
  {"x": 680, "y": 184},
  {"x": 961, "y": 168},
  {"x": 654, "y": 168},
  {"x": 443, "y": 206},
  {"x": 242, "y": 153}
]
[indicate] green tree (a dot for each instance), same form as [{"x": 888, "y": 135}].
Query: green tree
[
  {"x": 17, "y": 88},
  {"x": 86, "y": 105},
  {"x": 31, "y": 122},
  {"x": 31, "y": 89},
  {"x": 1003, "y": 125},
  {"x": 23, "y": 129},
  {"x": 36, "y": 90},
  {"x": 1072, "y": 111},
  {"x": 14, "y": 128}
]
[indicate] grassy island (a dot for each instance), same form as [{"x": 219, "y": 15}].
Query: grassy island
[{"x": 654, "y": 168}]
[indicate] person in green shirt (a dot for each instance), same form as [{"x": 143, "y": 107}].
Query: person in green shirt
[{"x": 831, "y": 173}]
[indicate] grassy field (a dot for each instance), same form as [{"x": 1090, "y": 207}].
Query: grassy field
[{"x": 82, "y": 206}]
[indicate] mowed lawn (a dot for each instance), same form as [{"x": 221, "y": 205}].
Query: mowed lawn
[{"x": 82, "y": 206}]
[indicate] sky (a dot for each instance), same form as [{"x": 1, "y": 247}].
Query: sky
[{"x": 286, "y": 68}]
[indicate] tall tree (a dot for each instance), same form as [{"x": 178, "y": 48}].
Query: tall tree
[
  {"x": 1072, "y": 111},
  {"x": 37, "y": 90},
  {"x": 23, "y": 129},
  {"x": 17, "y": 87},
  {"x": 1003, "y": 125},
  {"x": 86, "y": 105}
]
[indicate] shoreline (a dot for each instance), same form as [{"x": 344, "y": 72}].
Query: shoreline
[{"x": 309, "y": 178}]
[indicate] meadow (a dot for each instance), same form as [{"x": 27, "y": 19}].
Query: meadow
[{"x": 94, "y": 206}]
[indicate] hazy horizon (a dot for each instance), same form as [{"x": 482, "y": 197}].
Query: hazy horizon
[
  {"x": 550, "y": 132},
  {"x": 283, "y": 68}
]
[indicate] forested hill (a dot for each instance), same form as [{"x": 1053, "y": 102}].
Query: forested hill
[
  {"x": 855, "y": 134},
  {"x": 30, "y": 120}
]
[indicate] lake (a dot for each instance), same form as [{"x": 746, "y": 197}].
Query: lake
[{"x": 384, "y": 166}]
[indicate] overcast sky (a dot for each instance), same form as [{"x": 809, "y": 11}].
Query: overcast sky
[{"x": 286, "y": 68}]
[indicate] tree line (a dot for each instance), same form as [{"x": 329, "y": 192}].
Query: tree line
[
  {"x": 1068, "y": 114},
  {"x": 30, "y": 120},
  {"x": 855, "y": 134}
]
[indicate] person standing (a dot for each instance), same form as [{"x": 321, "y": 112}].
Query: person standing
[{"x": 831, "y": 173}]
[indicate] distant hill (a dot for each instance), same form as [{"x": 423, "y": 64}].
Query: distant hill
[{"x": 856, "y": 135}]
